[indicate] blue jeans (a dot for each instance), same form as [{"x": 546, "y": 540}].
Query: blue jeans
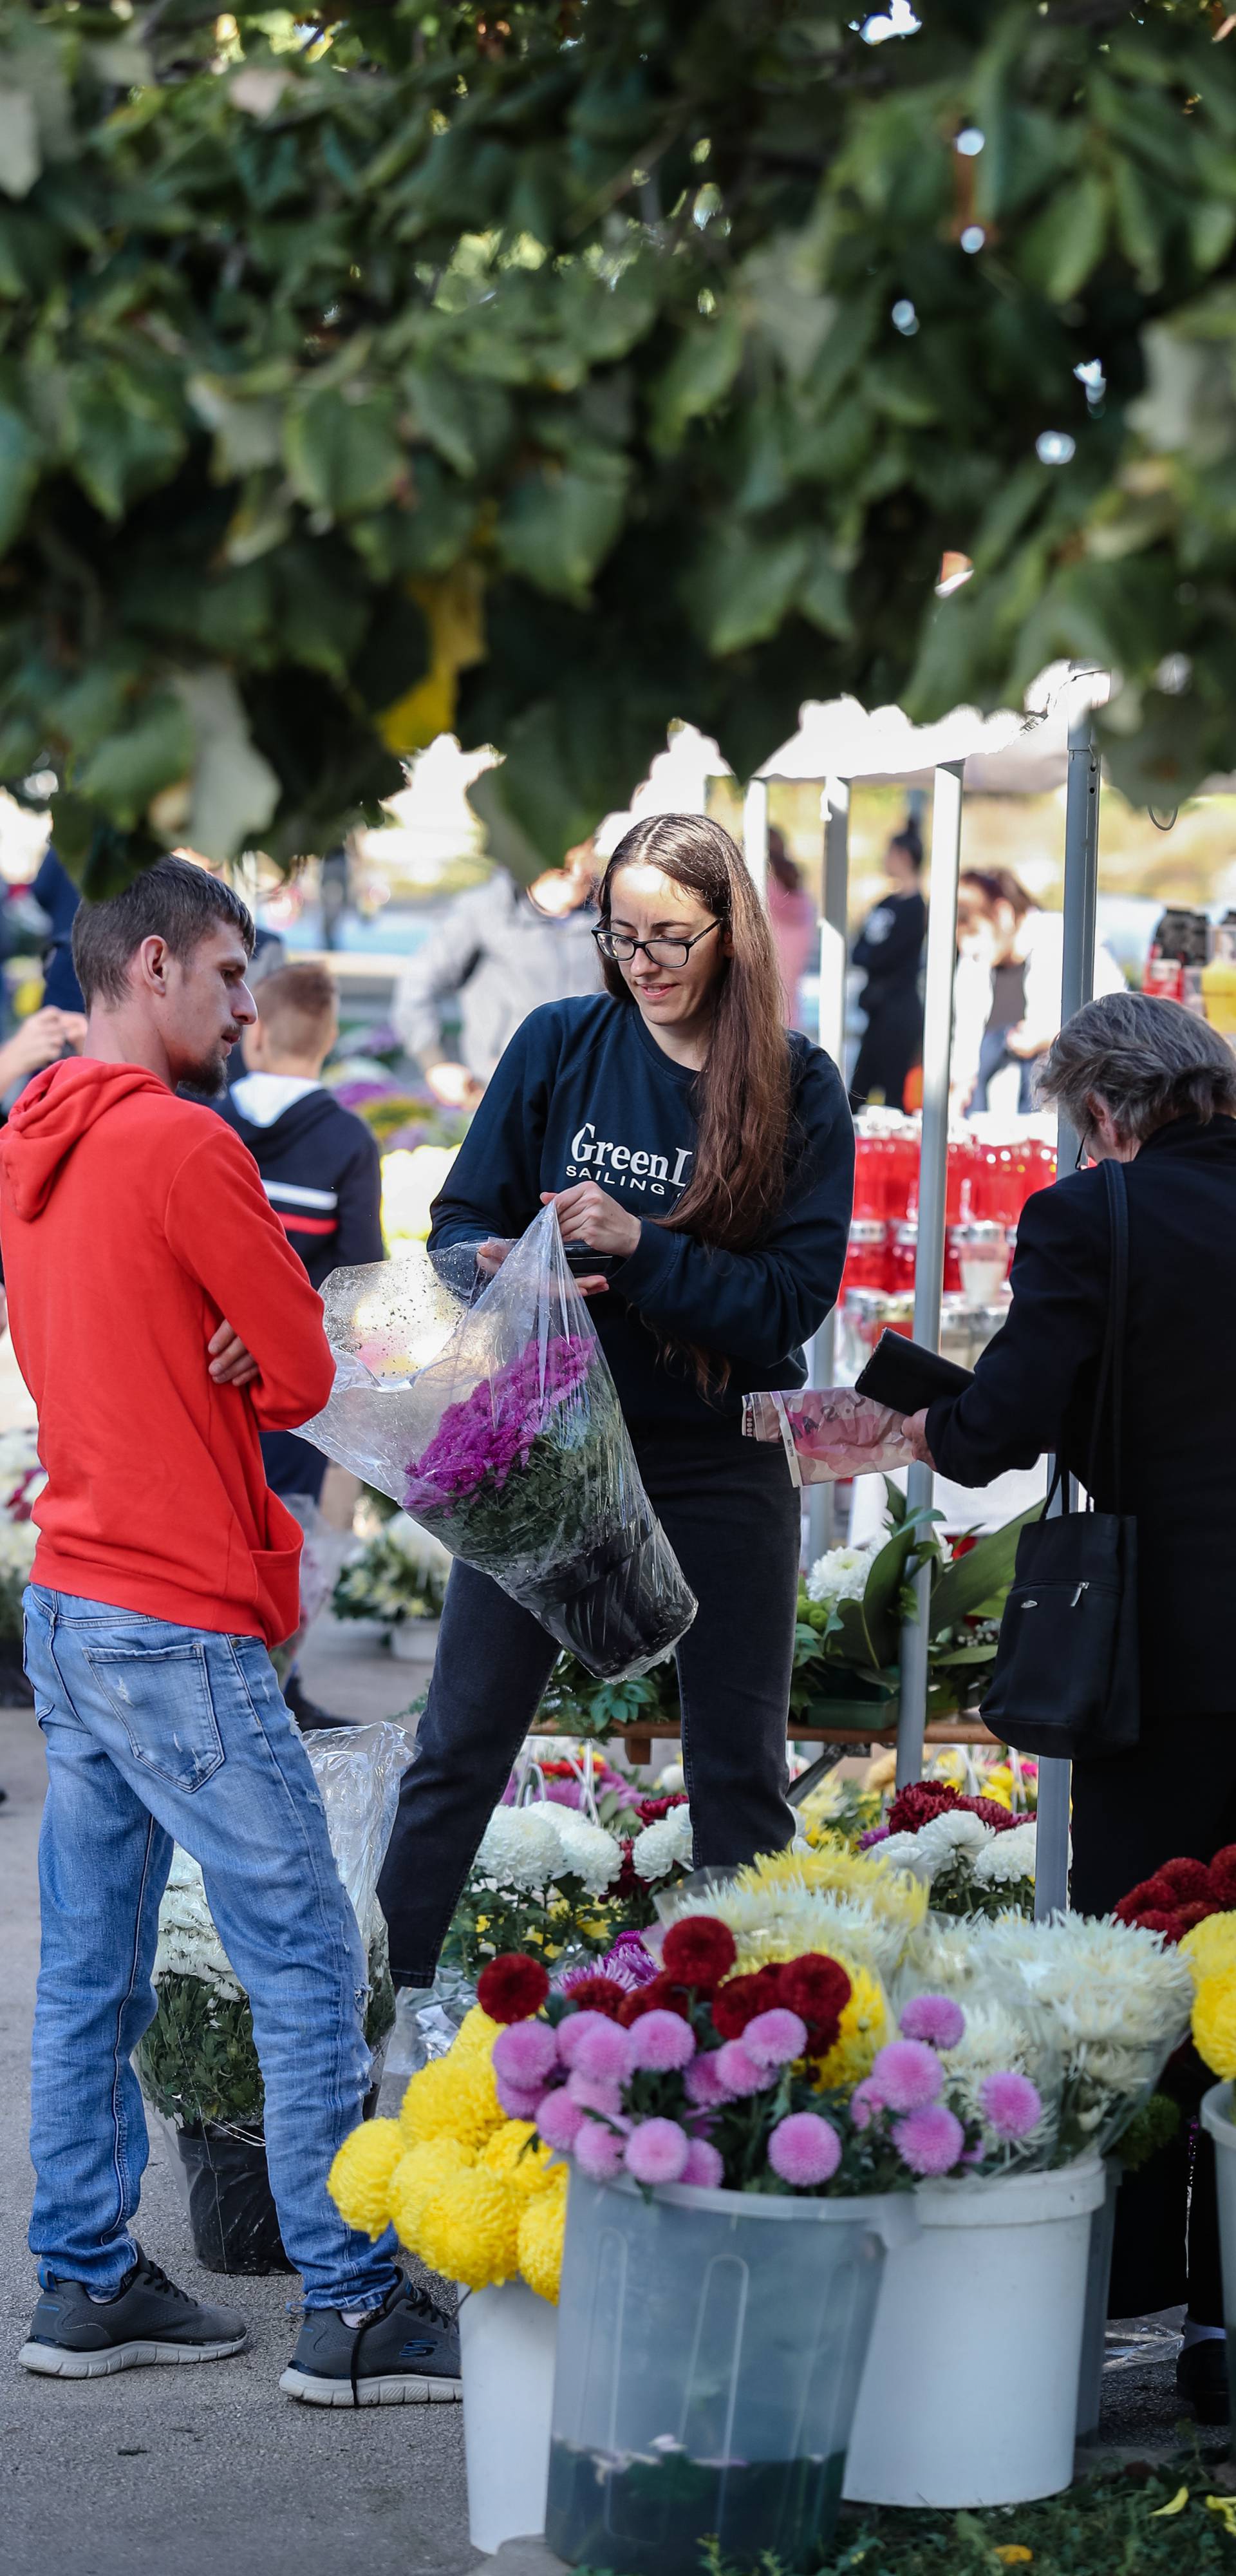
[{"x": 157, "y": 1734}]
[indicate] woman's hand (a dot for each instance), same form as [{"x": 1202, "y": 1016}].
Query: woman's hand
[
  {"x": 587, "y": 1214},
  {"x": 915, "y": 1429},
  {"x": 39, "y": 1041}
]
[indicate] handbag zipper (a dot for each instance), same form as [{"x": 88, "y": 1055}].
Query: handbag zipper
[{"x": 1082, "y": 1587}]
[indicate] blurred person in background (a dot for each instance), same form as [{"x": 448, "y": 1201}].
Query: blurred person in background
[
  {"x": 795, "y": 927},
  {"x": 889, "y": 949},
  {"x": 56, "y": 895},
  {"x": 500, "y": 950},
  {"x": 1010, "y": 965}
]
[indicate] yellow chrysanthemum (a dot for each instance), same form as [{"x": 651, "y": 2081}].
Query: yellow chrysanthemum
[
  {"x": 469, "y": 2231},
  {"x": 865, "y": 2025},
  {"x": 476, "y": 2031},
  {"x": 1211, "y": 1946},
  {"x": 832, "y": 1869},
  {"x": 454, "y": 2097},
  {"x": 1214, "y": 2022},
  {"x": 508, "y": 2153},
  {"x": 542, "y": 2227},
  {"x": 419, "y": 2175},
  {"x": 359, "y": 2181}
]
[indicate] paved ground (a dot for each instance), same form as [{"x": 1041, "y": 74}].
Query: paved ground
[{"x": 209, "y": 2471}]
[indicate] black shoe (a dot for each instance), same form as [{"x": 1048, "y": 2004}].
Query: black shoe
[
  {"x": 73, "y": 2336},
  {"x": 1201, "y": 2378},
  {"x": 406, "y": 2353},
  {"x": 306, "y": 1712}
]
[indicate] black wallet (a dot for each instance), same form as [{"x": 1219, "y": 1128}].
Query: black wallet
[{"x": 905, "y": 1377}]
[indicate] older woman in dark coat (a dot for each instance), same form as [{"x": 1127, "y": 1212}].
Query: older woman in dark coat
[{"x": 1145, "y": 1082}]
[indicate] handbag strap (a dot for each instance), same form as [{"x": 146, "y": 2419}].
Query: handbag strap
[{"x": 1110, "y": 1389}]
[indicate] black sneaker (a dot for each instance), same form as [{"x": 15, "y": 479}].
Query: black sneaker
[
  {"x": 1201, "y": 2379},
  {"x": 309, "y": 1717},
  {"x": 73, "y": 2336},
  {"x": 406, "y": 2353}
]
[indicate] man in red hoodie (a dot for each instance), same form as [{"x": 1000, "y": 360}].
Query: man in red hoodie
[{"x": 162, "y": 1321}]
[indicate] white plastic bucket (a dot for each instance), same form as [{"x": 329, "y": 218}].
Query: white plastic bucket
[
  {"x": 969, "y": 2396},
  {"x": 507, "y": 2339},
  {"x": 1219, "y": 2122}
]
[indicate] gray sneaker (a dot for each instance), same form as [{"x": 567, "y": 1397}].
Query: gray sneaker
[
  {"x": 405, "y": 2353},
  {"x": 73, "y": 2336}
]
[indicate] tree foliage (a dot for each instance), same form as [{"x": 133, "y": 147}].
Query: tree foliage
[{"x": 555, "y": 368}]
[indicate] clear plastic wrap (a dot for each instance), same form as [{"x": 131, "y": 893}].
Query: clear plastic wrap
[
  {"x": 508, "y": 1444},
  {"x": 197, "y": 2062},
  {"x": 829, "y": 1432}
]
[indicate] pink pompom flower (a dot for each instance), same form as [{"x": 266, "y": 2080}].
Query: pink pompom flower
[
  {"x": 603, "y": 2050},
  {"x": 804, "y": 2150},
  {"x": 526, "y": 2053},
  {"x": 657, "y": 2151},
  {"x": 775, "y": 2038},
  {"x": 739, "y": 2073},
  {"x": 574, "y": 2030},
  {"x": 558, "y": 2120},
  {"x": 937, "y": 2019},
  {"x": 1012, "y": 2105},
  {"x": 520, "y": 2101},
  {"x": 705, "y": 2165},
  {"x": 662, "y": 2041},
  {"x": 597, "y": 2151},
  {"x": 865, "y": 2100},
  {"x": 599, "y": 2093},
  {"x": 930, "y": 2139},
  {"x": 907, "y": 2074},
  {"x": 703, "y": 2080}
]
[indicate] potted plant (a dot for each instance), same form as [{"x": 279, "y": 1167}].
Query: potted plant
[{"x": 398, "y": 1578}]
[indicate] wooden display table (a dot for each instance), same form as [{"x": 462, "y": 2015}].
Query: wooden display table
[{"x": 848, "y": 1737}]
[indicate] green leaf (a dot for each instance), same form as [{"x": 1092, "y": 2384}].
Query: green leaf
[
  {"x": 235, "y": 791},
  {"x": 979, "y": 1579},
  {"x": 698, "y": 377},
  {"x": 1066, "y": 243},
  {"x": 560, "y": 523},
  {"x": 20, "y": 157},
  {"x": 342, "y": 450},
  {"x": 742, "y": 584},
  {"x": 248, "y": 431},
  {"x": 889, "y": 1571},
  {"x": 19, "y": 469},
  {"x": 128, "y": 770}
]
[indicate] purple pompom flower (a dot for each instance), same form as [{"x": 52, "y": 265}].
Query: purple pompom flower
[
  {"x": 597, "y": 2151},
  {"x": 937, "y": 2019},
  {"x": 864, "y": 2101},
  {"x": 661, "y": 2040},
  {"x": 657, "y": 2151},
  {"x": 703, "y": 2079},
  {"x": 571, "y": 2033},
  {"x": 519, "y": 2101},
  {"x": 599, "y": 2093},
  {"x": 705, "y": 2165},
  {"x": 804, "y": 2150},
  {"x": 907, "y": 2074},
  {"x": 930, "y": 2139},
  {"x": 559, "y": 2120},
  {"x": 1012, "y": 2105},
  {"x": 603, "y": 2051},
  {"x": 775, "y": 2038},
  {"x": 739, "y": 2073},
  {"x": 525, "y": 2053}
]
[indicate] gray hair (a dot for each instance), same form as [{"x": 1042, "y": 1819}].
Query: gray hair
[{"x": 1148, "y": 1061}]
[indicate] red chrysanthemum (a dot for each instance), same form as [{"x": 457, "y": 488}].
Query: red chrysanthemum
[
  {"x": 661, "y": 1994},
  {"x": 818, "y": 1989},
  {"x": 1186, "y": 1916},
  {"x": 651, "y": 1810},
  {"x": 989, "y": 1810},
  {"x": 1150, "y": 1895},
  {"x": 1155, "y": 1919},
  {"x": 1189, "y": 1881},
  {"x": 513, "y": 1987},
  {"x": 598, "y": 1994},
  {"x": 699, "y": 1951},
  {"x": 1223, "y": 1876},
  {"x": 917, "y": 1804},
  {"x": 741, "y": 1998}
]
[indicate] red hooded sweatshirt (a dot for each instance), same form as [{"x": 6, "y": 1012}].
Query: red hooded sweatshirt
[{"x": 132, "y": 1223}]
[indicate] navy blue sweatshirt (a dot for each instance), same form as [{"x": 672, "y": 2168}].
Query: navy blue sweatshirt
[
  {"x": 584, "y": 1093},
  {"x": 322, "y": 1174}
]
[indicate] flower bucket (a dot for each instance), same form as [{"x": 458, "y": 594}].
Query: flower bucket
[
  {"x": 709, "y": 2351},
  {"x": 970, "y": 2392},
  {"x": 1218, "y": 2116},
  {"x": 415, "y": 1641},
  {"x": 1098, "y": 2284},
  {"x": 506, "y": 2347}
]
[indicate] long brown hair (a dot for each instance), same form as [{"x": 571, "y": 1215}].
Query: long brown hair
[{"x": 743, "y": 1088}]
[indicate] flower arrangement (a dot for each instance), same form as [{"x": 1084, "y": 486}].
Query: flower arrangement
[
  {"x": 854, "y": 1600},
  {"x": 724, "y": 2079},
  {"x": 400, "y": 1574},
  {"x": 468, "y": 2188},
  {"x": 826, "y": 1897},
  {"x": 1112, "y": 1999},
  {"x": 973, "y": 1854},
  {"x": 550, "y": 1879}
]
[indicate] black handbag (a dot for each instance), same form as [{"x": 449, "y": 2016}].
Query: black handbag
[{"x": 1066, "y": 1676}]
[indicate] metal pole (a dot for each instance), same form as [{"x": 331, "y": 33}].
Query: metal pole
[
  {"x": 932, "y": 1188},
  {"x": 755, "y": 831},
  {"x": 1081, "y": 888},
  {"x": 822, "y": 1356}
]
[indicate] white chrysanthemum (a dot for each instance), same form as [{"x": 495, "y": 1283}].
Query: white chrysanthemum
[
  {"x": 18, "y": 1541},
  {"x": 521, "y": 1848},
  {"x": 942, "y": 1957},
  {"x": 664, "y": 1846},
  {"x": 775, "y": 1922},
  {"x": 586, "y": 1850},
  {"x": 904, "y": 1851},
  {"x": 1103, "y": 1982},
  {"x": 1008, "y": 1857},
  {"x": 953, "y": 1835},
  {"x": 424, "y": 1553},
  {"x": 841, "y": 1575},
  {"x": 188, "y": 1944}
]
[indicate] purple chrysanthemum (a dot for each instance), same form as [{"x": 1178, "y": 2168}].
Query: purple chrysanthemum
[
  {"x": 662, "y": 2041},
  {"x": 1012, "y": 2105},
  {"x": 937, "y": 2019},
  {"x": 804, "y": 2150},
  {"x": 657, "y": 2151},
  {"x": 930, "y": 2140},
  {"x": 907, "y": 2074}
]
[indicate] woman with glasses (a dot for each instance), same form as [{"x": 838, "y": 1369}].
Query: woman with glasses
[{"x": 702, "y": 1157}]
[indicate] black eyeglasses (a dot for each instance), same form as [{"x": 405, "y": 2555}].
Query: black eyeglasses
[{"x": 659, "y": 952}]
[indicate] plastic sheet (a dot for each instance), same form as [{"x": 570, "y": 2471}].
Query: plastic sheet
[
  {"x": 829, "y": 1432},
  {"x": 508, "y": 1443},
  {"x": 197, "y": 2062}
]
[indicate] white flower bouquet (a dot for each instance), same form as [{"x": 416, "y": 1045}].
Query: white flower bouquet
[
  {"x": 400, "y": 1574},
  {"x": 550, "y": 1879},
  {"x": 969, "y": 1866}
]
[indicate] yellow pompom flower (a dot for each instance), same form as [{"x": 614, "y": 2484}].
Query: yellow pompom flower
[
  {"x": 359, "y": 2181},
  {"x": 865, "y": 2025},
  {"x": 1214, "y": 2022},
  {"x": 528, "y": 2169},
  {"x": 453, "y": 2097},
  {"x": 419, "y": 2175},
  {"x": 542, "y": 2227},
  {"x": 469, "y": 2231},
  {"x": 1211, "y": 1946},
  {"x": 476, "y": 2032}
]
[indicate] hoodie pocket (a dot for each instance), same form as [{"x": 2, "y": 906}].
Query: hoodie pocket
[{"x": 161, "y": 1696}]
